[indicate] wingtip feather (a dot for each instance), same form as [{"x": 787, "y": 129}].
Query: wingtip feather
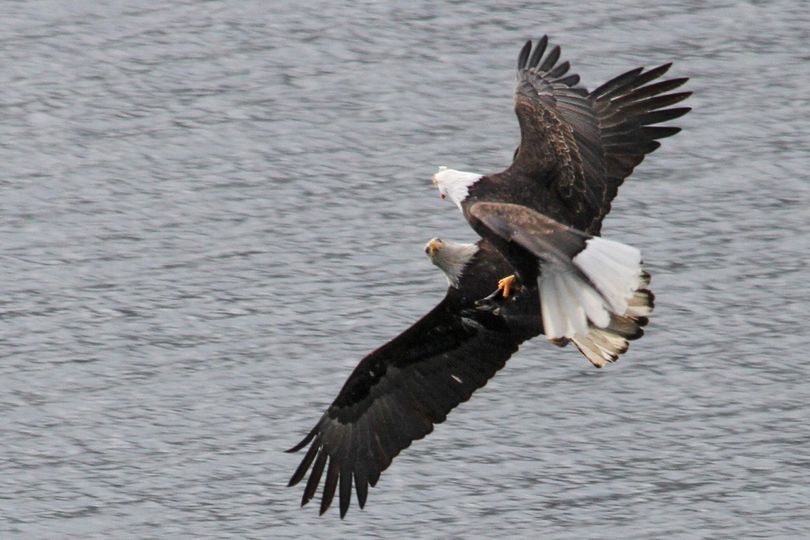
[
  {"x": 551, "y": 59},
  {"x": 304, "y": 441},
  {"x": 524, "y": 54},
  {"x": 303, "y": 467},
  {"x": 345, "y": 495},
  {"x": 314, "y": 477},
  {"x": 329, "y": 486}
]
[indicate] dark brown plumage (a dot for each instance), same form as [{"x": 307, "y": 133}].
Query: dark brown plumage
[{"x": 577, "y": 147}]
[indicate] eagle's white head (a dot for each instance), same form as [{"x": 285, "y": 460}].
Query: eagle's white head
[
  {"x": 451, "y": 257},
  {"x": 453, "y": 184}
]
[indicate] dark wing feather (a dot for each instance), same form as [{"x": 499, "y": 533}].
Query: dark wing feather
[
  {"x": 559, "y": 132},
  {"x": 397, "y": 393},
  {"x": 627, "y": 108},
  {"x": 546, "y": 239},
  {"x": 582, "y": 146}
]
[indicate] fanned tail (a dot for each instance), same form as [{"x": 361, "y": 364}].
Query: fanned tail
[
  {"x": 604, "y": 283},
  {"x": 604, "y": 345}
]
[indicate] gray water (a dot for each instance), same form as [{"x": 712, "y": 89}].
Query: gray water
[{"x": 210, "y": 212}]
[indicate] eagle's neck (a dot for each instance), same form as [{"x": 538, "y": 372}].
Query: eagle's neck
[{"x": 453, "y": 259}]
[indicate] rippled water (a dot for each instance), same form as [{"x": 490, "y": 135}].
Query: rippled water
[{"x": 212, "y": 211}]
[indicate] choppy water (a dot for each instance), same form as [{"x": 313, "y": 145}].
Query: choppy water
[{"x": 210, "y": 212}]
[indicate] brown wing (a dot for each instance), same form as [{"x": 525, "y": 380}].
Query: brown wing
[
  {"x": 582, "y": 145},
  {"x": 395, "y": 396},
  {"x": 542, "y": 237},
  {"x": 628, "y": 107}
]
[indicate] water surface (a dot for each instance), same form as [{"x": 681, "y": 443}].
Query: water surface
[{"x": 211, "y": 211}]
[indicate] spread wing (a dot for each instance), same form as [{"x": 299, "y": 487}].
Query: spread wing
[
  {"x": 583, "y": 145},
  {"x": 395, "y": 396}
]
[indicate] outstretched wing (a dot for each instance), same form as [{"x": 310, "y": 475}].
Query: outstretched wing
[
  {"x": 581, "y": 145},
  {"x": 395, "y": 396}
]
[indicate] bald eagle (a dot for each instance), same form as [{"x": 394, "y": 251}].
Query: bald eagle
[
  {"x": 398, "y": 392},
  {"x": 544, "y": 213},
  {"x": 539, "y": 223}
]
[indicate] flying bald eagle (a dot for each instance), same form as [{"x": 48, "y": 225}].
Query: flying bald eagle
[
  {"x": 397, "y": 393},
  {"x": 544, "y": 213},
  {"x": 539, "y": 221}
]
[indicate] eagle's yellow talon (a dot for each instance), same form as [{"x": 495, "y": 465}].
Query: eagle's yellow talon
[{"x": 505, "y": 285}]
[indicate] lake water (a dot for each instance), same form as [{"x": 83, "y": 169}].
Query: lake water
[{"x": 212, "y": 210}]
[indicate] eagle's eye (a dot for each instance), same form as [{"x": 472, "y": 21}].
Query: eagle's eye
[{"x": 442, "y": 195}]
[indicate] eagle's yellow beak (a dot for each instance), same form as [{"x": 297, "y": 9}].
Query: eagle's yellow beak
[{"x": 435, "y": 182}]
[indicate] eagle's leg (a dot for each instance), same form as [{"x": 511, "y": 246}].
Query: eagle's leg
[{"x": 505, "y": 285}]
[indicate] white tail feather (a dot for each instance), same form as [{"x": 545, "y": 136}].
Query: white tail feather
[
  {"x": 571, "y": 306},
  {"x": 641, "y": 304},
  {"x": 550, "y": 308},
  {"x": 567, "y": 303},
  {"x": 601, "y": 346},
  {"x": 614, "y": 268}
]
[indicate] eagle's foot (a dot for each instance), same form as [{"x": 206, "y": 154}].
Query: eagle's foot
[
  {"x": 505, "y": 285},
  {"x": 491, "y": 303},
  {"x": 495, "y": 301}
]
